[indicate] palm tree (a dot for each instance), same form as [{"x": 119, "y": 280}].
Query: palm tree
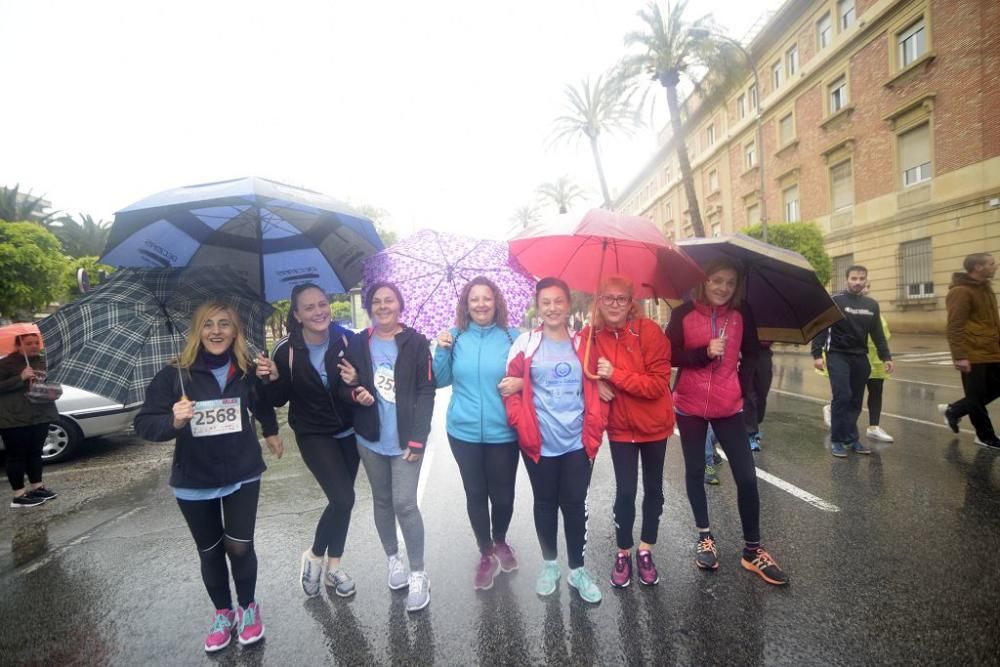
[
  {"x": 16, "y": 207},
  {"x": 604, "y": 106},
  {"x": 525, "y": 216},
  {"x": 85, "y": 238},
  {"x": 669, "y": 52},
  {"x": 562, "y": 193}
]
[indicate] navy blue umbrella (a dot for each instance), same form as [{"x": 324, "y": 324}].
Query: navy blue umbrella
[{"x": 272, "y": 235}]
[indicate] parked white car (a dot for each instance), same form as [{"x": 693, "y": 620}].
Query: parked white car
[{"x": 83, "y": 415}]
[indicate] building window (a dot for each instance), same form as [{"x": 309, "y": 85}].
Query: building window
[
  {"x": 792, "y": 60},
  {"x": 716, "y": 229},
  {"x": 669, "y": 211},
  {"x": 666, "y": 175},
  {"x": 841, "y": 186},
  {"x": 790, "y": 197},
  {"x": 838, "y": 94},
  {"x": 786, "y": 129},
  {"x": 753, "y": 214},
  {"x": 824, "y": 31},
  {"x": 839, "y": 281},
  {"x": 845, "y": 10},
  {"x": 916, "y": 269},
  {"x": 753, "y": 97},
  {"x": 741, "y": 106},
  {"x": 713, "y": 180},
  {"x": 915, "y": 155},
  {"x": 912, "y": 43},
  {"x": 777, "y": 71},
  {"x": 710, "y": 135},
  {"x": 749, "y": 155}
]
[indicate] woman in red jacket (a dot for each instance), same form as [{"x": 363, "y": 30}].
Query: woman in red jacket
[
  {"x": 708, "y": 336},
  {"x": 634, "y": 366}
]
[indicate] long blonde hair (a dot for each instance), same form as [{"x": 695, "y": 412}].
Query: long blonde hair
[
  {"x": 192, "y": 345},
  {"x": 626, "y": 284}
]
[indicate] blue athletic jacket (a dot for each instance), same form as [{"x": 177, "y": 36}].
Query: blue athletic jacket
[{"x": 474, "y": 365}]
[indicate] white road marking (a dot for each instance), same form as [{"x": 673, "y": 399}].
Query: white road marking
[{"x": 788, "y": 487}]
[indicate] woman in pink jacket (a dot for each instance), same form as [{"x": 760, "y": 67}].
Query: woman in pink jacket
[{"x": 708, "y": 337}]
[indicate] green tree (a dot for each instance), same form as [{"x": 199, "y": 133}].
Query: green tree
[
  {"x": 804, "y": 238},
  {"x": 276, "y": 322},
  {"x": 83, "y": 238},
  {"x": 32, "y": 267},
  {"x": 16, "y": 206},
  {"x": 93, "y": 269},
  {"x": 340, "y": 311},
  {"x": 605, "y": 105},
  {"x": 668, "y": 53},
  {"x": 524, "y": 216},
  {"x": 561, "y": 193},
  {"x": 378, "y": 216}
]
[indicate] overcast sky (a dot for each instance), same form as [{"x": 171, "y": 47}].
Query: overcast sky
[{"x": 437, "y": 111}]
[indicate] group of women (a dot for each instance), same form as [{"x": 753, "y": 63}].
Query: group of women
[{"x": 546, "y": 396}]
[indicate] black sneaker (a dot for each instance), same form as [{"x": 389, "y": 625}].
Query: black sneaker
[
  {"x": 949, "y": 417},
  {"x": 762, "y": 564},
  {"x": 988, "y": 444},
  {"x": 707, "y": 555},
  {"x": 26, "y": 501},
  {"x": 42, "y": 493}
]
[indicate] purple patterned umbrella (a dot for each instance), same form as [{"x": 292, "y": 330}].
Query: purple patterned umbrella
[{"x": 430, "y": 268}]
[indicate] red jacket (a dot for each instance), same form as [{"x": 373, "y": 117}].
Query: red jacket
[
  {"x": 521, "y": 407},
  {"x": 642, "y": 410},
  {"x": 710, "y": 388}
]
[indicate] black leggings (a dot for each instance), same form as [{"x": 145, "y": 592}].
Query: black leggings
[
  {"x": 334, "y": 463},
  {"x": 24, "y": 453},
  {"x": 875, "y": 386},
  {"x": 625, "y": 457},
  {"x": 731, "y": 433},
  {"x": 489, "y": 472},
  {"x": 561, "y": 482},
  {"x": 225, "y": 526}
]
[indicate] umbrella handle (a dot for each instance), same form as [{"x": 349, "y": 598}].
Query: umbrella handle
[{"x": 590, "y": 339}]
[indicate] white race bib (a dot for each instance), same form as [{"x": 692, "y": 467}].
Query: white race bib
[
  {"x": 216, "y": 417},
  {"x": 385, "y": 383}
]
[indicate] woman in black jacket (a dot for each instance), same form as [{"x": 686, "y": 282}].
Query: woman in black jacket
[
  {"x": 391, "y": 385},
  {"x": 206, "y": 401},
  {"x": 304, "y": 372}
]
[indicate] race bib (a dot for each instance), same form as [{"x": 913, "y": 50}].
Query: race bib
[
  {"x": 217, "y": 417},
  {"x": 385, "y": 383}
]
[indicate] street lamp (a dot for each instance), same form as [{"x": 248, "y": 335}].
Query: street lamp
[{"x": 699, "y": 34}]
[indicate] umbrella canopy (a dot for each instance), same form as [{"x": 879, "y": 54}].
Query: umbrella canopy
[
  {"x": 114, "y": 340},
  {"x": 431, "y": 269},
  {"x": 272, "y": 235},
  {"x": 581, "y": 248},
  {"x": 788, "y": 302},
  {"x": 11, "y": 331}
]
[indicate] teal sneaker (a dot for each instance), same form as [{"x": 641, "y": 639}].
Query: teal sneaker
[
  {"x": 548, "y": 578},
  {"x": 585, "y": 585}
]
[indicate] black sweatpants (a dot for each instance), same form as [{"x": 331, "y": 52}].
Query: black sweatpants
[
  {"x": 755, "y": 396},
  {"x": 875, "y": 387},
  {"x": 982, "y": 387},
  {"x": 625, "y": 457},
  {"x": 24, "y": 453},
  {"x": 489, "y": 472},
  {"x": 225, "y": 526},
  {"x": 561, "y": 483},
  {"x": 334, "y": 463},
  {"x": 848, "y": 377},
  {"x": 733, "y": 438}
]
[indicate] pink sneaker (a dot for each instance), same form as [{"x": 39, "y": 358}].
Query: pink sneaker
[
  {"x": 621, "y": 574},
  {"x": 487, "y": 571},
  {"x": 505, "y": 554},
  {"x": 647, "y": 571},
  {"x": 222, "y": 630},
  {"x": 251, "y": 625}
]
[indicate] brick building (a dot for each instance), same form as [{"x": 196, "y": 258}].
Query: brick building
[{"x": 880, "y": 122}]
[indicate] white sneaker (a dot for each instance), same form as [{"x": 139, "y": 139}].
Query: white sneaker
[
  {"x": 420, "y": 591},
  {"x": 826, "y": 414},
  {"x": 310, "y": 573},
  {"x": 878, "y": 433},
  {"x": 398, "y": 575}
]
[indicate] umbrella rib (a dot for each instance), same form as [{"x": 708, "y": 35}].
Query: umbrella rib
[
  {"x": 430, "y": 293},
  {"x": 569, "y": 260}
]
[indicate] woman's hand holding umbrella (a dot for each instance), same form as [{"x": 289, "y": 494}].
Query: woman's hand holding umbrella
[
  {"x": 716, "y": 348},
  {"x": 183, "y": 413},
  {"x": 267, "y": 370},
  {"x": 445, "y": 339},
  {"x": 28, "y": 374}
]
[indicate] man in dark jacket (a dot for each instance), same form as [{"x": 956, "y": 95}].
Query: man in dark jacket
[
  {"x": 974, "y": 339},
  {"x": 846, "y": 345}
]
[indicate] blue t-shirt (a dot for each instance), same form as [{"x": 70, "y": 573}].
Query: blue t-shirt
[
  {"x": 317, "y": 357},
  {"x": 384, "y": 353},
  {"x": 557, "y": 384},
  {"x": 222, "y": 374}
]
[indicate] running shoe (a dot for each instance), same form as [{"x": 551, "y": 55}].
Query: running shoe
[
  {"x": 340, "y": 582},
  {"x": 878, "y": 433},
  {"x": 838, "y": 450},
  {"x": 990, "y": 444},
  {"x": 25, "y": 501},
  {"x": 43, "y": 493},
  {"x": 827, "y": 411},
  {"x": 711, "y": 476},
  {"x": 398, "y": 576},
  {"x": 860, "y": 448},
  {"x": 707, "y": 555},
  {"x": 420, "y": 591},
  {"x": 486, "y": 572},
  {"x": 505, "y": 554},
  {"x": 754, "y": 442},
  {"x": 548, "y": 578},
  {"x": 310, "y": 573},
  {"x": 647, "y": 570},
  {"x": 250, "y": 629},
  {"x": 621, "y": 573},
  {"x": 221, "y": 632},
  {"x": 949, "y": 418},
  {"x": 761, "y": 564},
  {"x": 584, "y": 583}
]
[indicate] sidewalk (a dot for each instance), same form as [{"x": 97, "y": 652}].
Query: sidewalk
[{"x": 898, "y": 344}]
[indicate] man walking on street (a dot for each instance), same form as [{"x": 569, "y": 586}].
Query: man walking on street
[
  {"x": 974, "y": 339},
  {"x": 846, "y": 345}
]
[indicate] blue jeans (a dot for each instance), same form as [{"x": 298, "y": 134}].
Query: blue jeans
[{"x": 710, "y": 447}]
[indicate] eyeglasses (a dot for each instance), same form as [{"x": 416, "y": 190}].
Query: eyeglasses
[{"x": 610, "y": 299}]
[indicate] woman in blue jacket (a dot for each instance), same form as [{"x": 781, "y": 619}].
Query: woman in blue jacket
[{"x": 472, "y": 357}]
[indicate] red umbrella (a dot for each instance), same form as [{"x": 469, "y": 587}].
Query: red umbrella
[{"x": 11, "y": 331}]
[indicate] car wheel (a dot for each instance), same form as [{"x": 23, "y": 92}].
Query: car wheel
[{"x": 64, "y": 438}]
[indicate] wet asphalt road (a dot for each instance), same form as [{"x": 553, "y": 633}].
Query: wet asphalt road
[{"x": 905, "y": 570}]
